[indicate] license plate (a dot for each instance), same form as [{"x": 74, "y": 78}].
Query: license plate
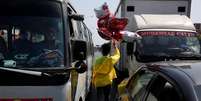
[{"x": 24, "y": 99}]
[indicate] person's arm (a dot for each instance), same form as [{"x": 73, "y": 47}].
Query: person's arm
[{"x": 116, "y": 56}]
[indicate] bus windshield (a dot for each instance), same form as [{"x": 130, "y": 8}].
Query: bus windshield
[
  {"x": 31, "y": 34},
  {"x": 183, "y": 45}
]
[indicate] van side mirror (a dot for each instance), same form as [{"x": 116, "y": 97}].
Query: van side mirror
[
  {"x": 130, "y": 48},
  {"x": 80, "y": 67},
  {"x": 128, "y": 36},
  {"x": 79, "y": 49},
  {"x": 77, "y": 17}
]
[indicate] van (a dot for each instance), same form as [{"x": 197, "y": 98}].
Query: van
[
  {"x": 164, "y": 37},
  {"x": 46, "y": 51}
]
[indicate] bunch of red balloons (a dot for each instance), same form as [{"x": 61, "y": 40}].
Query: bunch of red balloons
[{"x": 109, "y": 26}]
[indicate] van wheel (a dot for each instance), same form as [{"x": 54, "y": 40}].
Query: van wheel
[{"x": 80, "y": 99}]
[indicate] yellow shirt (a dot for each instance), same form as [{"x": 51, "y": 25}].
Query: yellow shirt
[{"x": 103, "y": 71}]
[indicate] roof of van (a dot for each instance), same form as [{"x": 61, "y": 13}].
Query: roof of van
[
  {"x": 163, "y": 0},
  {"x": 156, "y": 21}
]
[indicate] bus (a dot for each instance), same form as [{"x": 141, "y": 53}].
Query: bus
[{"x": 46, "y": 51}]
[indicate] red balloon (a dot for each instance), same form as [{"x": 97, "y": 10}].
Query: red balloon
[{"x": 110, "y": 27}]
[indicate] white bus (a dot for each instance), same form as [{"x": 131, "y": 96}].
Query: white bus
[{"x": 46, "y": 51}]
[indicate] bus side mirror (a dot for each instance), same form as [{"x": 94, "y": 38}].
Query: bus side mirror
[
  {"x": 79, "y": 49},
  {"x": 80, "y": 67},
  {"x": 76, "y": 17}
]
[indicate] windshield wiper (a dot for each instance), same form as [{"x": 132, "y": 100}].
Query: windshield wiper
[
  {"x": 29, "y": 72},
  {"x": 37, "y": 73},
  {"x": 160, "y": 56}
]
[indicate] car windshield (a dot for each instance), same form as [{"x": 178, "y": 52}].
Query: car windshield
[
  {"x": 169, "y": 44},
  {"x": 31, "y": 34}
]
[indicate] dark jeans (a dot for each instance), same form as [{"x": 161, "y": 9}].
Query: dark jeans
[
  {"x": 103, "y": 93},
  {"x": 114, "y": 90}
]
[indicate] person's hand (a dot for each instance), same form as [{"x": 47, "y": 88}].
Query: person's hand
[{"x": 115, "y": 43}]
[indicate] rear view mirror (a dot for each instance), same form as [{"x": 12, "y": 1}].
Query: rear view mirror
[
  {"x": 130, "y": 48},
  {"x": 77, "y": 17},
  {"x": 128, "y": 36},
  {"x": 79, "y": 49},
  {"x": 80, "y": 67}
]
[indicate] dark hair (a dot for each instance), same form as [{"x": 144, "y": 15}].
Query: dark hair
[{"x": 105, "y": 49}]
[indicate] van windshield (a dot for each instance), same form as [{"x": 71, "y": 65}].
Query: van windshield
[
  {"x": 173, "y": 45},
  {"x": 31, "y": 34}
]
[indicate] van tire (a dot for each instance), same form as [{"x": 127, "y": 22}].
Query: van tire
[{"x": 80, "y": 99}]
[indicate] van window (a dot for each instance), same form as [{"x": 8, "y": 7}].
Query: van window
[
  {"x": 34, "y": 33},
  {"x": 159, "y": 45}
]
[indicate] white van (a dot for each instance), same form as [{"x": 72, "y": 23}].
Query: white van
[
  {"x": 46, "y": 51},
  {"x": 128, "y": 8},
  {"x": 164, "y": 37}
]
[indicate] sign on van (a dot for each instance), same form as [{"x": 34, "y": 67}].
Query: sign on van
[{"x": 165, "y": 33}]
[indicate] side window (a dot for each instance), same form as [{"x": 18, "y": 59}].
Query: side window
[
  {"x": 81, "y": 33},
  {"x": 75, "y": 31},
  {"x": 87, "y": 34},
  {"x": 163, "y": 90},
  {"x": 137, "y": 86},
  {"x": 90, "y": 41},
  {"x": 3, "y": 42},
  {"x": 71, "y": 28},
  {"x": 72, "y": 24}
]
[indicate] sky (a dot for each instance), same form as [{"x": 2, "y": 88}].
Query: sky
[{"x": 86, "y": 7}]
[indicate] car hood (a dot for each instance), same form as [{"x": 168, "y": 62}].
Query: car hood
[
  {"x": 190, "y": 68},
  {"x": 177, "y": 62}
]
